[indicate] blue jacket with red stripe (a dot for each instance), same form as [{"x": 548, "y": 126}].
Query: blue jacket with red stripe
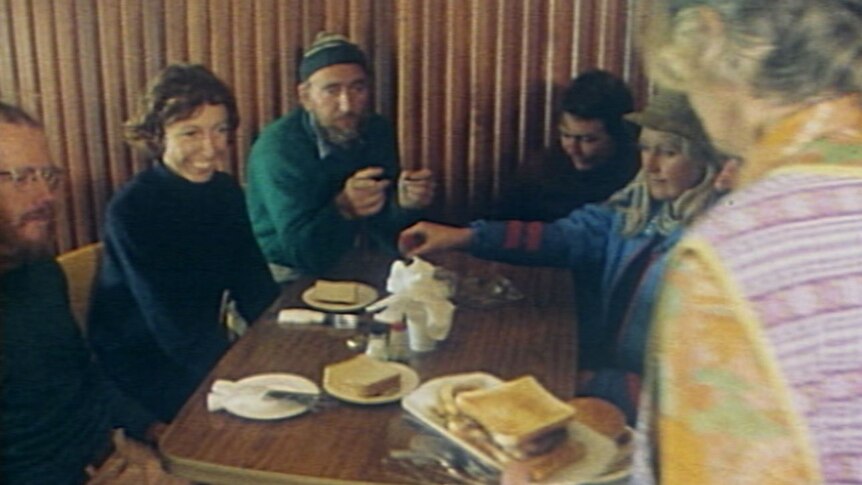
[{"x": 616, "y": 278}]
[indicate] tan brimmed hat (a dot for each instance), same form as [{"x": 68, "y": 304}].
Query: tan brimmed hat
[{"x": 670, "y": 111}]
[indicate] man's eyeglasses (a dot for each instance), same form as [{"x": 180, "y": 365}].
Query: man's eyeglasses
[{"x": 24, "y": 177}]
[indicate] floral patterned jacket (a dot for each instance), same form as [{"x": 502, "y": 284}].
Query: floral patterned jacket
[{"x": 754, "y": 369}]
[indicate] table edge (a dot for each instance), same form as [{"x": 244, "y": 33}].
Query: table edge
[{"x": 229, "y": 475}]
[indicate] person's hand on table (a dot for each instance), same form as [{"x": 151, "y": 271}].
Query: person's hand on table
[
  {"x": 364, "y": 193},
  {"x": 416, "y": 189},
  {"x": 132, "y": 462},
  {"x": 155, "y": 432},
  {"x": 428, "y": 237}
]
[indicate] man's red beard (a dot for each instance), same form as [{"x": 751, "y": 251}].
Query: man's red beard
[{"x": 14, "y": 250}]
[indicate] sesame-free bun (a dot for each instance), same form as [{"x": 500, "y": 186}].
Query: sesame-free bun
[{"x": 600, "y": 416}]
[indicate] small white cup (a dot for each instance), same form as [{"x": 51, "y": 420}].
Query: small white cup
[{"x": 417, "y": 333}]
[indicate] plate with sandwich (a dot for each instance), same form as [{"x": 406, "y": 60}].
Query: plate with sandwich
[
  {"x": 339, "y": 296},
  {"x": 364, "y": 380},
  {"x": 499, "y": 422}
]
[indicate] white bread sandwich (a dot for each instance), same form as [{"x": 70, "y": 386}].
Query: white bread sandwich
[
  {"x": 363, "y": 376},
  {"x": 518, "y": 420},
  {"x": 344, "y": 292},
  {"x": 516, "y": 411}
]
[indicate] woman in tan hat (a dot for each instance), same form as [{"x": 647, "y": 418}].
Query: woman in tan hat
[{"x": 616, "y": 249}]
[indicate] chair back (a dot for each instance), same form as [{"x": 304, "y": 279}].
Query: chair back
[{"x": 80, "y": 268}]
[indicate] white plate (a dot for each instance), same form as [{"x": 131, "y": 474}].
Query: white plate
[
  {"x": 365, "y": 295},
  {"x": 601, "y": 452},
  {"x": 409, "y": 382},
  {"x": 254, "y": 405}
]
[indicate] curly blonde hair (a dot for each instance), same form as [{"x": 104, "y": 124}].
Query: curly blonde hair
[{"x": 790, "y": 50}]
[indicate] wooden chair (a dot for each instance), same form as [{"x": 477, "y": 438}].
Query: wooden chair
[{"x": 80, "y": 268}]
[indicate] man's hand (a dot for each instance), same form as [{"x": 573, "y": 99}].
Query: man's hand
[
  {"x": 132, "y": 462},
  {"x": 416, "y": 189},
  {"x": 364, "y": 194},
  {"x": 428, "y": 237}
]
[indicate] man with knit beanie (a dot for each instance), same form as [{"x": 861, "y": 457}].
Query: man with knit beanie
[{"x": 328, "y": 172}]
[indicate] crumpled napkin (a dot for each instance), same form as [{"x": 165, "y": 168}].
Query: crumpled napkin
[
  {"x": 300, "y": 316},
  {"x": 418, "y": 296},
  {"x": 230, "y": 395},
  {"x": 224, "y": 390}
]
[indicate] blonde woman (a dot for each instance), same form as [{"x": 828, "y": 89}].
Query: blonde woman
[
  {"x": 616, "y": 250},
  {"x": 754, "y": 370}
]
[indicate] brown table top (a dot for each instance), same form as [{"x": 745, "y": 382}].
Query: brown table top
[{"x": 346, "y": 443}]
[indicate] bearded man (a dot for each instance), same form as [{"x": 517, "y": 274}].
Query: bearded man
[
  {"x": 329, "y": 172},
  {"x": 58, "y": 412}
]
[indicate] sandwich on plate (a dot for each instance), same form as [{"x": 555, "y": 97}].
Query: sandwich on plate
[
  {"x": 341, "y": 292},
  {"x": 363, "y": 376},
  {"x": 518, "y": 420}
]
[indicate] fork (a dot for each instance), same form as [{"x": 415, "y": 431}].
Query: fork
[{"x": 427, "y": 468}]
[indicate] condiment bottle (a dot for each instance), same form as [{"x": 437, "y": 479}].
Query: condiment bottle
[
  {"x": 377, "y": 347},
  {"x": 399, "y": 345}
]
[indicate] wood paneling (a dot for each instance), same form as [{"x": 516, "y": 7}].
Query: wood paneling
[{"x": 470, "y": 84}]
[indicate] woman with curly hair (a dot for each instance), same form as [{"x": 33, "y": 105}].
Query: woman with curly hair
[{"x": 176, "y": 238}]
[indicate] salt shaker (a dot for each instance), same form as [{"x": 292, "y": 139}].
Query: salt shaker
[
  {"x": 377, "y": 347},
  {"x": 399, "y": 346}
]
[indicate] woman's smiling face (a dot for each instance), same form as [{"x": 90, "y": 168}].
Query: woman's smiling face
[
  {"x": 669, "y": 169},
  {"x": 196, "y": 147}
]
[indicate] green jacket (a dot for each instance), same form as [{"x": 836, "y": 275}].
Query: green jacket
[{"x": 292, "y": 189}]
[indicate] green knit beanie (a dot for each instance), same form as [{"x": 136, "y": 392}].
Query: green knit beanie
[{"x": 329, "y": 49}]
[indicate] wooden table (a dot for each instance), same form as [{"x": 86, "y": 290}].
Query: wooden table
[{"x": 346, "y": 444}]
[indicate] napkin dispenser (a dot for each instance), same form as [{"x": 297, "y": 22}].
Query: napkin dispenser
[{"x": 420, "y": 299}]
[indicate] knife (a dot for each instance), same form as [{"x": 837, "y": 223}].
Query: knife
[{"x": 304, "y": 398}]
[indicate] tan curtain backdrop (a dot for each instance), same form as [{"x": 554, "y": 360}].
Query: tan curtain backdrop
[{"x": 470, "y": 84}]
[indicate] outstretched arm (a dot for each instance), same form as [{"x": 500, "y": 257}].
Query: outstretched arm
[{"x": 427, "y": 237}]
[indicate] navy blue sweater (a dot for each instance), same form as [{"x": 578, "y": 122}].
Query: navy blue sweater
[{"x": 172, "y": 247}]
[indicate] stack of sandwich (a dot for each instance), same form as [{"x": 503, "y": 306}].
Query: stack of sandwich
[{"x": 518, "y": 420}]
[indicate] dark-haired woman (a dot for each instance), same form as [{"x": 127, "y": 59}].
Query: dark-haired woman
[{"x": 177, "y": 237}]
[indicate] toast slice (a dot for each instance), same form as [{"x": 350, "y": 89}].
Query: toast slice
[{"x": 516, "y": 411}]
